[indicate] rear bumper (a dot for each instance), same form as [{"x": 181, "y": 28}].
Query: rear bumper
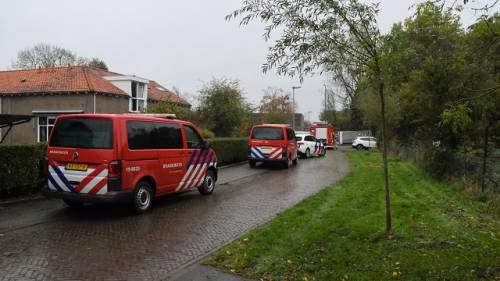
[
  {"x": 110, "y": 197},
  {"x": 280, "y": 160}
]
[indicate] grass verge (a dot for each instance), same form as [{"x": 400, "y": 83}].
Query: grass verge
[{"x": 440, "y": 233}]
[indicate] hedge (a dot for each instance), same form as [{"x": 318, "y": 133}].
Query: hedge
[
  {"x": 230, "y": 150},
  {"x": 21, "y": 169}
]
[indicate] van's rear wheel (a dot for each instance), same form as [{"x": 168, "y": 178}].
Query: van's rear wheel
[
  {"x": 73, "y": 203},
  {"x": 143, "y": 197},
  {"x": 208, "y": 183}
]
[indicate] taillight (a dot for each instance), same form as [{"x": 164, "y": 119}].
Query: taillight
[{"x": 115, "y": 169}]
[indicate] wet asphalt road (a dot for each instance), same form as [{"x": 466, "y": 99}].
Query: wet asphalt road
[{"x": 44, "y": 240}]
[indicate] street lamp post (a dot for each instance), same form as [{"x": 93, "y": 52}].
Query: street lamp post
[{"x": 293, "y": 105}]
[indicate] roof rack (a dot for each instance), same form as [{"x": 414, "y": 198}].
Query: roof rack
[{"x": 159, "y": 115}]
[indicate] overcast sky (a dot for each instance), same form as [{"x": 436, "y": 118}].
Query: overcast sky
[{"x": 177, "y": 43}]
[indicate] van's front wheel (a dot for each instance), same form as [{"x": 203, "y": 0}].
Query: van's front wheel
[
  {"x": 208, "y": 185},
  {"x": 143, "y": 197}
]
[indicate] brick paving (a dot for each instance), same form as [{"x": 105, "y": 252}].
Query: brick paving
[{"x": 108, "y": 243}]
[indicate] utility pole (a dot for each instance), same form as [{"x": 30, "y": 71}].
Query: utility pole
[{"x": 293, "y": 105}]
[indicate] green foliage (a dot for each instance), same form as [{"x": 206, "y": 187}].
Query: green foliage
[
  {"x": 230, "y": 150},
  {"x": 21, "y": 169},
  {"x": 456, "y": 117},
  {"x": 97, "y": 63},
  {"x": 222, "y": 107},
  {"x": 206, "y": 133},
  {"x": 441, "y": 233},
  {"x": 179, "y": 111}
]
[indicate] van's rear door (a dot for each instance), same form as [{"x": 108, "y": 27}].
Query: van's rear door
[{"x": 80, "y": 149}]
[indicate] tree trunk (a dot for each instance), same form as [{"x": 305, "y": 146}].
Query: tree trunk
[
  {"x": 485, "y": 155},
  {"x": 388, "y": 216}
]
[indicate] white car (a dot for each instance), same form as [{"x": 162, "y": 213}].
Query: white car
[
  {"x": 364, "y": 143},
  {"x": 308, "y": 145}
]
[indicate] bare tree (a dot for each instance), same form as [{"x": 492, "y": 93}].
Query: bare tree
[{"x": 46, "y": 55}]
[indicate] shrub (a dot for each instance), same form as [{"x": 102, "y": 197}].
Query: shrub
[
  {"x": 21, "y": 169},
  {"x": 206, "y": 133},
  {"x": 230, "y": 150}
]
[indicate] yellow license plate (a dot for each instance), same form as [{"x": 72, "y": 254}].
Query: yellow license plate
[{"x": 76, "y": 166}]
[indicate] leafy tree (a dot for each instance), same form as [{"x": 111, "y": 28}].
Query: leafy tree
[
  {"x": 325, "y": 35},
  {"x": 97, "y": 63},
  {"x": 275, "y": 106},
  {"x": 222, "y": 106}
]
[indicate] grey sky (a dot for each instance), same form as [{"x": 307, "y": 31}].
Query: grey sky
[{"x": 181, "y": 43}]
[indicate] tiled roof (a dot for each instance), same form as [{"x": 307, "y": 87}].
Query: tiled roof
[
  {"x": 56, "y": 80},
  {"x": 157, "y": 92}
]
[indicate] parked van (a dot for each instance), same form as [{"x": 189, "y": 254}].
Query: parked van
[
  {"x": 129, "y": 157},
  {"x": 272, "y": 143}
]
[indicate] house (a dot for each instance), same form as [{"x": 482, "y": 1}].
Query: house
[{"x": 48, "y": 92}]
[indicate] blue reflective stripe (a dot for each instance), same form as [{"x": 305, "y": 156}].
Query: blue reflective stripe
[
  {"x": 205, "y": 156},
  {"x": 197, "y": 161},
  {"x": 193, "y": 155},
  {"x": 63, "y": 178},
  {"x": 54, "y": 183},
  {"x": 257, "y": 152},
  {"x": 254, "y": 155}
]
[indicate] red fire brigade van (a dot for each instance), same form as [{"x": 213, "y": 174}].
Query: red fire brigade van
[
  {"x": 134, "y": 158},
  {"x": 272, "y": 143},
  {"x": 324, "y": 133}
]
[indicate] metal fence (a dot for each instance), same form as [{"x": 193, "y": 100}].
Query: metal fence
[{"x": 465, "y": 166}]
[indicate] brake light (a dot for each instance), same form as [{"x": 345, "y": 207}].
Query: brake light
[{"x": 115, "y": 169}]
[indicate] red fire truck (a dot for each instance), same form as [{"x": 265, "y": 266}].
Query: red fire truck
[{"x": 325, "y": 133}]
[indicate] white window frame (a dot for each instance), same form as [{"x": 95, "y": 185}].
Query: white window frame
[
  {"x": 47, "y": 127},
  {"x": 140, "y": 92}
]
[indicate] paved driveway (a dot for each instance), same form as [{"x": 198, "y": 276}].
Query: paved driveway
[{"x": 43, "y": 240}]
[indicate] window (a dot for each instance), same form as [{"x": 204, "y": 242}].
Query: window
[
  {"x": 153, "y": 135},
  {"x": 290, "y": 134},
  {"x": 309, "y": 138},
  {"x": 138, "y": 97},
  {"x": 193, "y": 139},
  {"x": 45, "y": 125},
  {"x": 83, "y": 133},
  {"x": 262, "y": 133}
]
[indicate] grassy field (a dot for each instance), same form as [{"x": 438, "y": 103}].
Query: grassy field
[{"x": 439, "y": 232}]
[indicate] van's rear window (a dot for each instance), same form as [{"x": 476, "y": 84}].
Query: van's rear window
[
  {"x": 267, "y": 133},
  {"x": 83, "y": 133}
]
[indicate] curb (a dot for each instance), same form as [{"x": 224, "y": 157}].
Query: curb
[
  {"x": 233, "y": 165},
  {"x": 23, "y": 199}
]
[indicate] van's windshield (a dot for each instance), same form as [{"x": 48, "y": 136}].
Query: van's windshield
[
  {"x": 262, "y": 133},
  {"x": 83, "y": 133}
]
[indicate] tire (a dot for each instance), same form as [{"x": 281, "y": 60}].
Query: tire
[
  {"x": 308, "y": 153},
  {"x": 208, "y": 185},
  {"x": 288, "y": 163},
  {"x": 359, "y": 147},
  {"x": 252, "y": 163},
  {"x": 143, "y": 197},
  {"x": 73, "y": 203}
]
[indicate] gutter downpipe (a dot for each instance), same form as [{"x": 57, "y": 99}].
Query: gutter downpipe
[{"x": 94, "y": 103}]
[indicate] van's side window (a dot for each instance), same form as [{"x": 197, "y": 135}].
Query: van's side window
[
  {"x": 193, "y": 139},
  {"x": 153, "y": 135}
]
